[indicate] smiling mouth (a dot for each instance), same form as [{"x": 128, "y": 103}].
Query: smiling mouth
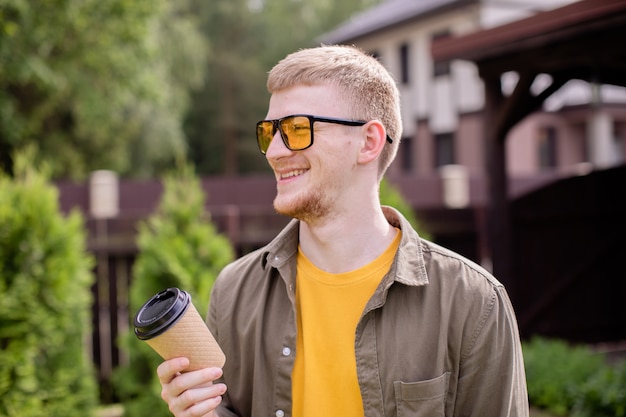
[{"x": 292, "y": 174}]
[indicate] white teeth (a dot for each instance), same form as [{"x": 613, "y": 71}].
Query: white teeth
[{"x": 292, "y": 173}]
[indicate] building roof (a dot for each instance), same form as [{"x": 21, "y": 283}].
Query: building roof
[
  {"x": 585, "y": 39},
  {"x": 386, "y": 14}
]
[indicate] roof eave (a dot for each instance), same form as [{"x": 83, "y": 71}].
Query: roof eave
[
  {"x": 527, "y": 32},
  {"x": 339, "y": 34}
]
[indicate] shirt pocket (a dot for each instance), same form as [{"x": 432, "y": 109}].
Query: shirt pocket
[{"x": 423, "y": 398}]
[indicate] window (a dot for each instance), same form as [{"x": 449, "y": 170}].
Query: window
[
  {"x": 443, "y": 67},
  {"x": 406, "y": 152},
  {"x": 404, "y": 63},
  {"x": 444, "y": 149},
  {"x": 547, "y": 148}
]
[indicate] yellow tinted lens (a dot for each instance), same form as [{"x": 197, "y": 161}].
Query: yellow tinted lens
[
  {"x": 264, "y": 134},
  {"x": 298, "y": 132}
]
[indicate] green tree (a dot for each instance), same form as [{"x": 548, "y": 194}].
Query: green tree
[
  {"x": 45, "y": 279},
  {"x": 248, "y": 37},
  {"x": 178, "y": 247},
  {"x": 220, "y": 125},
  {"x": 97, "y": 84}
]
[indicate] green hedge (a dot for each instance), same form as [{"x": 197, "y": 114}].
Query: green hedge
[
  {"x": 572, "y": 380},
  {"x": 45, "y": 279},
  {"x": 604, "y": 394}
]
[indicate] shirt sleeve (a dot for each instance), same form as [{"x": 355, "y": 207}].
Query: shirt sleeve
[
  {"x": 492, "y": 380},
  {"x": 223, "y": 409}
]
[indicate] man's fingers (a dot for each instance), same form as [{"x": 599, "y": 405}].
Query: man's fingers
[
  {"x": 209, "y": 395},
  {"x": 205, "y": 408},
  {"x": 169, "y": 369},
  {"x": 191, "y": 393}
]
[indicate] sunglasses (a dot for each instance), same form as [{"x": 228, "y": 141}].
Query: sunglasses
[{"x": 296, "y": 130}]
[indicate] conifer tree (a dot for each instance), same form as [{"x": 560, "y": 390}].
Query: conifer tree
[
  {"x": 179, "y": 246},
  {"x": 45, "y": 280}
]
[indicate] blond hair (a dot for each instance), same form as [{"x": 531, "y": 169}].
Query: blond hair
[{"x": 369, "y": 88}]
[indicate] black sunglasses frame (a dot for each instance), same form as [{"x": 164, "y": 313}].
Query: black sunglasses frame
[{"x": 276, "y": 123}]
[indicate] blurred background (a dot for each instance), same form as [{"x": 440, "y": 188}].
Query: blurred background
[{"x": 513, "y": 151}]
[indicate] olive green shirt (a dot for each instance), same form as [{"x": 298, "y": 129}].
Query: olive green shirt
[{"x": 438, "y": 337}]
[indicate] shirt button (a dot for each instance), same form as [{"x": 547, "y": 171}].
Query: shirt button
[
  {"x": 286, "y": 351},
  {"x": 276, "y": 258},
  {"x": 280, "y": 413}
]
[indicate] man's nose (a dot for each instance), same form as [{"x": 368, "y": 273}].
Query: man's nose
[{"x": 277, "y": 148}]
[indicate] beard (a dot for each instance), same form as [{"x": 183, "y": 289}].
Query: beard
[{"x": 310, "y": 207}]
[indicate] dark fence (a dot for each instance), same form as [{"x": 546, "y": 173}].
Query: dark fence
[{"x": 569, "y": 258}]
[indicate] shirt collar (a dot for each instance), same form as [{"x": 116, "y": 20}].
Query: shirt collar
[{"x": 408, "y": 267}]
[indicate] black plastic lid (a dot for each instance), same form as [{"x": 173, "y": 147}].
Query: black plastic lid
[{"x": 160, "y": 312}]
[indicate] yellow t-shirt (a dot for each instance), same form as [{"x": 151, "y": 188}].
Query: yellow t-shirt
[{"x": 329, "y": 307}]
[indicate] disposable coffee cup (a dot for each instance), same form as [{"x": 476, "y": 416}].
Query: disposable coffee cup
[{"x": 170, "y": 324}]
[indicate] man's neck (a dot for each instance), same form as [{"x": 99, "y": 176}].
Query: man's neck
[{"x": 346, "y": 242}]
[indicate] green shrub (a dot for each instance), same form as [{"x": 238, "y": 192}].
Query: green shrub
[
  {"x": 178, "y": 247},
  {"x": 45, "y": 279},
  {"x": 603, "y": 395},
  {"x": 556, "y": 371}
]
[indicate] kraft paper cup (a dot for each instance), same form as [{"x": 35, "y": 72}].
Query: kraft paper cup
[{"x": 170, "y": 324}]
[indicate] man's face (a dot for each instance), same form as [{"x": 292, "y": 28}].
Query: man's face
[{"x": 311, "y": 183}]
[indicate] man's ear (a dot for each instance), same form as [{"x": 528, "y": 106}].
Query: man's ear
[{"x": 374, "y": 141}]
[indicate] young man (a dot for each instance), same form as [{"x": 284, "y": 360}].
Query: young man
[{"x": 348, "y": 312}]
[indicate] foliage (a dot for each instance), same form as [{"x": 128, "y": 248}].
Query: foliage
[
  {"x": 391, "y": 196},
  {"x": 220, "y": 124},
  {"x": 571, "y": 380},
  {"x": 248, "y": 37},
  {"x": 106, "y": 84},
  {"x": 97, "y": 84},
  {"x": 603, "y": 395},
  {"x": 45, "y": 279},
  {"x": 178, "y": 247}
]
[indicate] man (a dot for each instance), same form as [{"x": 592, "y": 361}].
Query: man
[{"x": 348, "y": 312}]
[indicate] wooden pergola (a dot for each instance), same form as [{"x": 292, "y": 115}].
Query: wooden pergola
[{"x": 585, "y": 40}]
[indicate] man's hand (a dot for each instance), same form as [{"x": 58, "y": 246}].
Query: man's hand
[{"x": 190, "y": 394}]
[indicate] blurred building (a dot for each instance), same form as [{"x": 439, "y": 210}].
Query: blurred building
[
  {"x": 514, "y": 144},
  {"x": 442, "y": 101}
]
